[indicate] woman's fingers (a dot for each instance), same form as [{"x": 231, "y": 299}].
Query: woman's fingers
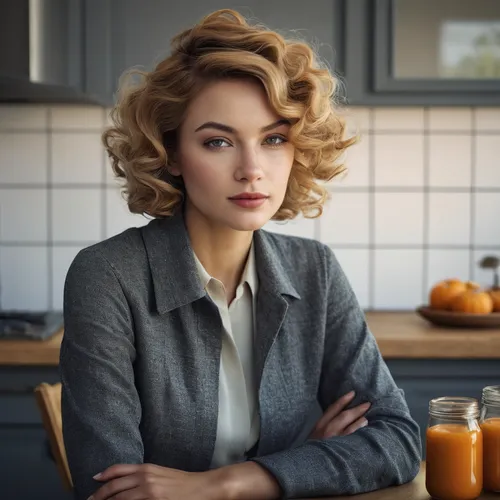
[
  {"x": 334, "y": 409},
  {"x": 115, "y": 487},
  {"x": 347, "y": 417},
  {"x": 361, "y": 422},
  {"x": 342, "y": 423}
]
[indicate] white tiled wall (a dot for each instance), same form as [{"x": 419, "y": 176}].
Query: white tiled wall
[{"x": 420, "y": 202}]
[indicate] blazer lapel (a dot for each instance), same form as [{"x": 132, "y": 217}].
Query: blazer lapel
[
  {"x": 272, "y": 304},
  {"x": 271, "y": 311}
]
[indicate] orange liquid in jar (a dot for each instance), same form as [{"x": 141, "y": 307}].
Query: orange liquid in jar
[
  {"x": 491, "y": 454},
  {"x": 454, "y": 462}
]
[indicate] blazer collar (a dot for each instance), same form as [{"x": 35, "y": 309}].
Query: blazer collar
[
  {"x": 249, "y": 274},
  {"x": 173, "y": 268}
]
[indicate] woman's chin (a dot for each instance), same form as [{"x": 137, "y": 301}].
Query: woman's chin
[{"x": 249, "y": 222}]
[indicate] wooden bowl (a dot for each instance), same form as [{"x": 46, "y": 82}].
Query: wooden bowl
[{"x": 459, "y": 320}]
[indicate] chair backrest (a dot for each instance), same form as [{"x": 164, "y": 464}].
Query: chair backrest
[{"x": 48, "y": 398}]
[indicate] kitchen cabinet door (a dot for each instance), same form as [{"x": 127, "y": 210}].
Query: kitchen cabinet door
[
  {"x": 425, "y": 379},
  {"x": 27, "y": 470},
  {"x": 121, "y": 34}
]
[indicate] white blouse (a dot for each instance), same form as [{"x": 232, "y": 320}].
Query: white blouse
[{"x": 238, "y": 424}]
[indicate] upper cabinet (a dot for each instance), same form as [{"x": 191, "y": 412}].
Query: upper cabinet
[
  {"x": 121, "y": 34},
  {"x": 42, "y": 52},
  {"x": 387, "y": 52},
  {"x": 425, "y": 52}
]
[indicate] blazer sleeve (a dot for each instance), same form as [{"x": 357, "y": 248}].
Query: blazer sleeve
[
  {"x": 101, "y": 410},
  {"x": 388, "y": 450}
]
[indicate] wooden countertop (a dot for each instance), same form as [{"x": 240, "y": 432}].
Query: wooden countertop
[
  {"x": 411, "y": 491},
  {"x": 31, "y": 352},
  {"x": 399, "y": 335},
  {"x": 407, "y": 335}
]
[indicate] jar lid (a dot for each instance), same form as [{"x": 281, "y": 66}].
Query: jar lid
[
  {"x": 454, "y": 407},
  {"x": 491, "y": 395}
]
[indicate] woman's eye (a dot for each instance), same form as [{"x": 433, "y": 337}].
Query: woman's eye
[
  {"x": 275, "y": 140},
  {"x": 217, "y": 144}
]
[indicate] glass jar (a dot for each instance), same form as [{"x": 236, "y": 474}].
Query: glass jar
[
  {"x": 490, "y": 425},
  {"x": 454, "y": 455}
]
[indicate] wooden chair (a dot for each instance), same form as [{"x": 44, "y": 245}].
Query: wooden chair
[{"x": 48, "y": 398}]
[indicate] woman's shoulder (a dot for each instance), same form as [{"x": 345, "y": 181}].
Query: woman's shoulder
[{"x": 123, "y": 251}]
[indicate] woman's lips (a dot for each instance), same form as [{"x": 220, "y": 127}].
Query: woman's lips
[{"x": 249, "y": 200}]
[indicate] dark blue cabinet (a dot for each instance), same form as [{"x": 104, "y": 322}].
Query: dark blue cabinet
[{"x": 27, "y": 471}]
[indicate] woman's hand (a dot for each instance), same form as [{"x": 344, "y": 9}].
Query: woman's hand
[
  {"x": 339, "y": 422},
  {"x": 152, "y": 482}
]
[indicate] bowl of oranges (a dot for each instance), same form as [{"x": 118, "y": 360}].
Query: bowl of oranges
[{"x": 457, "y": 303}]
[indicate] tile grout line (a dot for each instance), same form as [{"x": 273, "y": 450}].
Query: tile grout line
[
  {"x": 472, "y": 198},
  {"x": 50, "y": 229},
  {"x": 348, "y": 189},
  {"x": 44, "y": 244},
  {"x": 369, "y": 130},
  {"x": 371, "y": 210},
  {"x": 415, "y": 189},
  {"x": 426, "y": 205},
  {"x": 55, "y": 130},
  {"x": 56, "y": 186}
]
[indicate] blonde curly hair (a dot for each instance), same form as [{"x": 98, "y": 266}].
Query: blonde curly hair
[{"x": 223, "y": 44}]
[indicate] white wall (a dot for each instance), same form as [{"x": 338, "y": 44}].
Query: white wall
[{"x": 421, "y": 201}]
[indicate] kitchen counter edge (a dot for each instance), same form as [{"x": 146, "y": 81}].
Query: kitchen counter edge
[{"x": 400, "y": 335}]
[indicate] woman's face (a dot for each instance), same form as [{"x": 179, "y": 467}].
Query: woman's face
[{"x": 234, "y": 156}]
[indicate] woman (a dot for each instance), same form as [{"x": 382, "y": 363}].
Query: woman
[{"x": 195, "y": 347}]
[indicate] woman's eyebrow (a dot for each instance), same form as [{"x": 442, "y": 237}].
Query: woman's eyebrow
[{"x": 231, "y": 130}]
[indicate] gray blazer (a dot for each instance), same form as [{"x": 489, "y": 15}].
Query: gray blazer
[{"x": 140, "y": 365}]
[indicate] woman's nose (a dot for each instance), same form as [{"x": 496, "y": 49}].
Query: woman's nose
[{"x": 249, "y": 168}]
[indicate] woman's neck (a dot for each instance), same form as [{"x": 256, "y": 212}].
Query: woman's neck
[{"x": 222, "y": 251}]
